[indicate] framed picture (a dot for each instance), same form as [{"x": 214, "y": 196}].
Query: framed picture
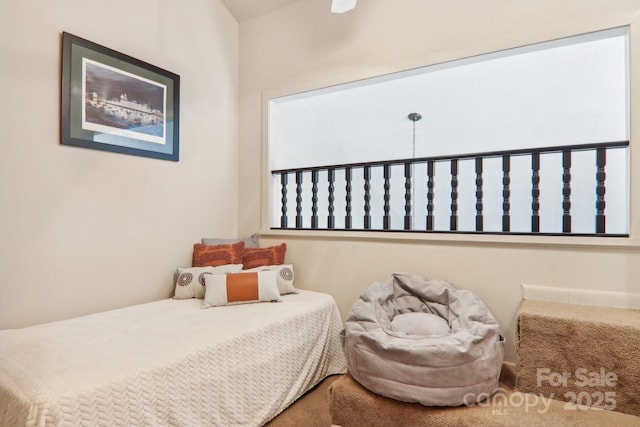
[{"x": 113, "y": 102}]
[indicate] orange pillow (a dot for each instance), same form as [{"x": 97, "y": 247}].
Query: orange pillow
[
  {"x": 215, "y": 255},
  {"x": 259, "y": 257}
]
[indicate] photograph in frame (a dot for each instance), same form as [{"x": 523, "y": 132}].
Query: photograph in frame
[{"x": 113, "y": 102}]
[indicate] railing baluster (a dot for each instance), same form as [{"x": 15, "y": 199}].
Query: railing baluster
[
  {"x": 566, "y": 191},
  {"x": 314, "y": 198},
  {"x": 331, "y": 219},
  {"x": 283, "y": 191},
  {"x": 506, "y": 192},
  {"x": 347, "y": 216},
  {"x": 407, "y": 195},
  {"x": 535, "y": 192},
  {"x": 601, "y": 175},
  {"x": 367, "y": 197},
  {"x": 299, "y": 199},
  {"x": 315, "y": 209},
  {"x": 453, "y": 220},
  {"x": 479, "y": 218},
  {"x": 430, "y": 195},
  {"x": 386, "y": 223}
]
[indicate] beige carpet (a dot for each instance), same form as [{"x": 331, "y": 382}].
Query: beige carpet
[
  {"x": 311, "y": 410},
  {"x": 354, "y": 406},
  {"x": 549, "y": 336},
  {"x": 581, "y": 354}
]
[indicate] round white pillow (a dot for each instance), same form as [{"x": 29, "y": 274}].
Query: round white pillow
[{"x": 418, "y": 323}]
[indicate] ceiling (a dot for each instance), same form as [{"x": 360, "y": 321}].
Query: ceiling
[{"x": 247, "y": 9}]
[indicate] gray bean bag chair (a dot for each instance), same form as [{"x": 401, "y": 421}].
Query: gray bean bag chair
[{"x": 419, "y": 340}]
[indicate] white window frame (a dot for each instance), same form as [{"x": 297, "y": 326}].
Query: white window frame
[{"x": 268, "y": 191}]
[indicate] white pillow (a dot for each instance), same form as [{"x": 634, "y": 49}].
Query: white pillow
[
  {"x": 419, "y": 323},
  {"x": 190, "y": 281},
  {"x": 285, "y": 276},
  {"x": 236, "y": 288}
]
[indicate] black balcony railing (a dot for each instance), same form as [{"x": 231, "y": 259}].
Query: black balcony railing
[{"x": 308, "y": 207}]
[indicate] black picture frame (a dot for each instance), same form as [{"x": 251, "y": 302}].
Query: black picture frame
[{"x": 113, "y": 102}]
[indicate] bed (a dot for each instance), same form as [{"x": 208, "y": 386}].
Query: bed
[{"x": 170, "y": 362}]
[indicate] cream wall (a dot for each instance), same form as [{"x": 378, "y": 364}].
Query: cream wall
[
  {"x": 304, "y": 47},
  {"x": 84, "y": 230}
]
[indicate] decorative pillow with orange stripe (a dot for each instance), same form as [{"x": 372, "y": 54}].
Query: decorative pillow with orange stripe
[
  {"x": 259, "y": 257},
  {"x": 237, "y": 288},
  {"x": 216, "y": 255}
]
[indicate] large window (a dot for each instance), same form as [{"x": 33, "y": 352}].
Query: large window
[{"x": 528, "y": 140}]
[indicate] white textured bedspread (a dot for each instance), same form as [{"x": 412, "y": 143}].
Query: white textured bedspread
[{"x": 170, "y": 363}]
